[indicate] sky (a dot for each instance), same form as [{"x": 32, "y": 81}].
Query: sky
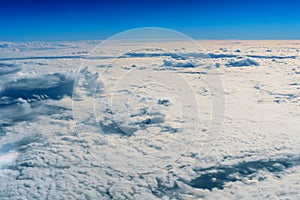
[{"x": 202, "y": 19}]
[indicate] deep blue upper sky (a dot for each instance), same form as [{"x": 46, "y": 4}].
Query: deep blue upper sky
[{"x": 203, "y": 19}]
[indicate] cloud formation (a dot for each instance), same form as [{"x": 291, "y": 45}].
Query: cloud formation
[
  {"x": 43, "y": 155},
  {"x": 242, "y": 63}
]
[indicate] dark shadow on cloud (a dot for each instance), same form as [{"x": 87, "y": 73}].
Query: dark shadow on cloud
[
  {"x": 114, "y": 128},
  {"x": 24, "y": 99},
  {"x": 209, "y": 55},
  {"x": 3, "y": 45},
  {"x": 173, "y": 63},
  {"x": 242, "y": 63},
  {"x": 53, "y": 86},
  {"x": 138, "y": 121},
  {"x": 15, "y": 111},
  {"x": 145, "y": 55},
  {"x": 20, "y": 145},
  {"x": 182, "y": 56},
  {"x": 217, "y": 177},
  {"x": 272, "y": 57},
  {"x": 6, "y": 68},
  {"x": 21, "y": 110}
]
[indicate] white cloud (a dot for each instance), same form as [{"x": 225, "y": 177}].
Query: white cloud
[{"x": 42, "y": 156}]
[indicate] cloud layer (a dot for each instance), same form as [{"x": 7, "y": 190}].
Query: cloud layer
[{"x": 101, "y": 148}]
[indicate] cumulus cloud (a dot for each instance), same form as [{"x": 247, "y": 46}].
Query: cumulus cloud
[
  {"x": 242, "y": 63},
  {"x": 179, "y": 64},
  {"x": 43, "y": 156},
  {"x": 23, "y": 98}
]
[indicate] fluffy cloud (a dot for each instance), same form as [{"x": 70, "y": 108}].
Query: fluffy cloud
[
  {"x": 242, "y": 63},
  {"x": 175, "y": 63},
  {"x": 43, "y": 156}
]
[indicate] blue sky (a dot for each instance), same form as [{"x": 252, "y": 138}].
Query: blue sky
[{"x": 203, "y": 19}]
